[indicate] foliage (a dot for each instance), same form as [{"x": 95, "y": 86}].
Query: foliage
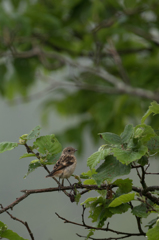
[
  {"x": 121, "y": 154},
  {"x": 111, "y": 48},
  {"x": 8, "y": 234}
]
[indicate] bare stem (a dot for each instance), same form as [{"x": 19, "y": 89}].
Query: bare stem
[{"x": 19, "y": 220}]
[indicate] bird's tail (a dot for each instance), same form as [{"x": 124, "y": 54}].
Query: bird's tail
[{"x": 50, "y": 174}]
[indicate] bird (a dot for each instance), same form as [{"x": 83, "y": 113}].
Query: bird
[{"x": 65, "y": 166}]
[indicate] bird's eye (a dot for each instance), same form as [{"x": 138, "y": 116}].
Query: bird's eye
[{"x": 69, "y": 150}]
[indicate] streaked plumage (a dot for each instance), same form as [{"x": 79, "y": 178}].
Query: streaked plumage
[{"x": 66, "y": 164}]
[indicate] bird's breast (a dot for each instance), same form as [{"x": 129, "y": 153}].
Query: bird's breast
[{"x": 68, "y": 171}]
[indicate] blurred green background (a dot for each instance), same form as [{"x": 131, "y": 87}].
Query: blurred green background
[{"x": 77, "y": 68}]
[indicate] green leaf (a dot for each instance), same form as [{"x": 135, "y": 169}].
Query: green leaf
[
  {"x": 151, "y": 223},
  {"x": 52, "y": 159},
  {"x": 122, "y": 199},
  {"x": 25, "y": 155},
  {"x": 34, "y": 133},
  {"x": 120, "y": 209},
  {"x": 95, "y": 158},
  {"x": 153, "y": 144},
  {"x": 144, "y": 133},
  {"x": 154, "y": 108},
  {"x": 127, "y": 134},
  {"x": 8, "y": 234},
  {"x": 148, "y": 112},
  {"x": 91, "y": 232},
  {"x": 125, "y": 185},
  {"x": 48, "y": 145},
  {"x": 77, "y": 197},
  {"x": 90, "y": 199},
  {"x": 153, "y": 233},
  {"x": 128, "y": 156},
  {"x": 95, "y": 214},
  {"x": 111, "y": 138},
  {"x": 88, "y": 174},
  {"x": 110, "y": 169},
  {"x": 143, "y": 160},
  {"x": 89, "y": 182},
  {"x": 32, "y": 166},
  {"x": 7, "y": 146},
  {"x": 140, "y": 211},
  {"x": 104, "y": 213}
]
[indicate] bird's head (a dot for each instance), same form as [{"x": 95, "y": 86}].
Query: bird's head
[{"x": 69, "y": 150}]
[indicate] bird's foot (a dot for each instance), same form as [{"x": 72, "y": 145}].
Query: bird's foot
[{"x": 59, "y": 187}]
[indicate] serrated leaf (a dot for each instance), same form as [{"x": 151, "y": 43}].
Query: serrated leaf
[
  {"x": 96, "y": 157},
  {"x": 127, "y": 134},
  {"x": 88, "y": 174},
  {"x": 89, "y": 182},
  {"x": 144, "y": 132},
  {"x": 91, "y": 232},
  {"x": 153, "y": 233},
  {"x": 140, "y": 211},
  {"x": 90, "y": 199},
  {"x": 125, "y": 185},
  {"x": 151, "y": 223},
  {"x": 120, "y": 209},
  {"x": 34, "y": 133},
  {"x": 8, "y": 234},
  {"x": 122, "y": 199},
  {"x": 143, "y": 160},
  {"x": 127, "y": 156},
  {"x": 110, "y": 169},
  {"x": 77, "y": 197},
  {"x": 53, "y": 158},
  {"x": 153, "y": 144},
  {"x": 95, "y": 214},
  {"x": 25, "y": 155},
  {"x": 103, "y": 215},
  {"x": 154, "y": 108},
  {"x": 111, "y": 138},
  {"x": 48, "y": 145},
  {"x": 32, "y": 166},
  {"x": 7, "y": 146}
]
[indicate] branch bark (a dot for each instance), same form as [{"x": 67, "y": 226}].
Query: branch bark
[{"x": 144, "y": 192}]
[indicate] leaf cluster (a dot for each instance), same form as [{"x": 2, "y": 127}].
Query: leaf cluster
[
  {"x": 39, "y": 34},
  {"x": 114, "y": 160}
]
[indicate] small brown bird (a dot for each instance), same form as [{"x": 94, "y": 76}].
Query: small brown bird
[{"x": 65, "y": 166}]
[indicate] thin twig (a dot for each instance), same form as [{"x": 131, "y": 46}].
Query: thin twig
[
  {"x": 138, "y": 219},
  {"x": 152, "y": 173},
  {"x": 19, "y": 220},
  {"x": 107, "y": 229},
  {"x": 143, "y": 183},
  {"x": 145, "y": 192},
  {"x": 110, "y": 238}
]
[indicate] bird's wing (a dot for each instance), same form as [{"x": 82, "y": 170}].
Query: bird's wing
[{"x": 63, "y": 162}]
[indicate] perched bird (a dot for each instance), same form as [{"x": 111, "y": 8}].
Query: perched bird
[{"x": 65, "y": 166}]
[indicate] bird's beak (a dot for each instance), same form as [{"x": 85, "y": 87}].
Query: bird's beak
[{"x": 76, "y": 150}]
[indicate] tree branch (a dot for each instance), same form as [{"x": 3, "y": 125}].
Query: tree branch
[
  {"x": 144, "y": 192},
  {"x": 24, "y": 223},
  {"x": 107, "y": 229},
  {"x": 118, "y": 86},
  {"x": 110, "y": 238},
  {"x": 138, "y": 219}
]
